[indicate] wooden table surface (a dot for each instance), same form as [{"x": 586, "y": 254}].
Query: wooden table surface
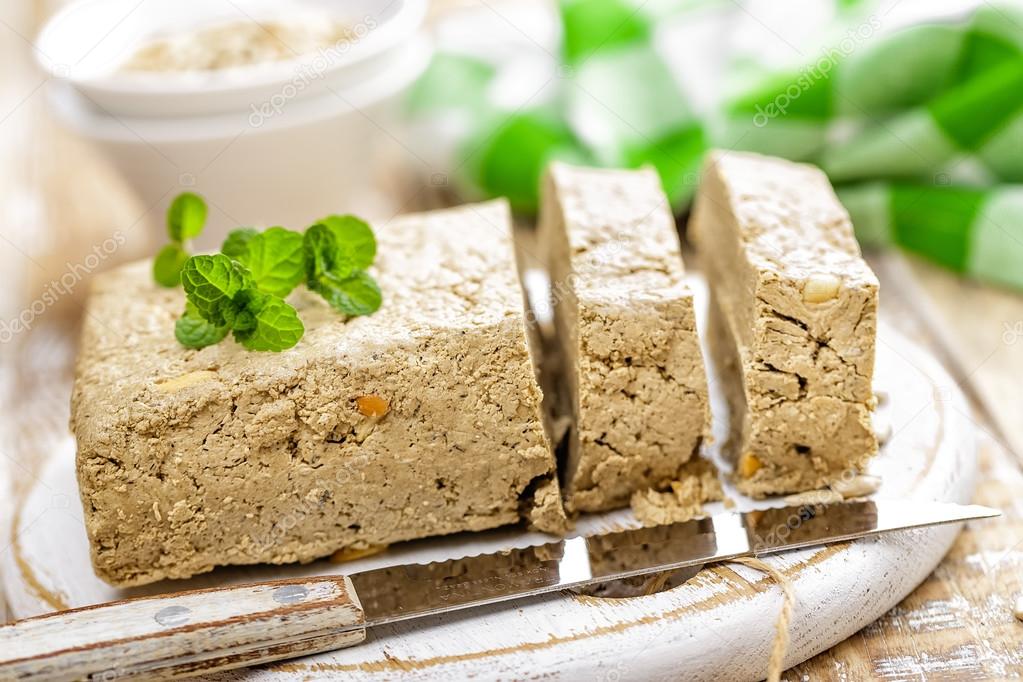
[{"x": 58, "y": 199}]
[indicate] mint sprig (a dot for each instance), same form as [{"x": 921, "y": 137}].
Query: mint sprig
[
  {"x": 353, "y": 245},
  {"x": 223, "y": 294},
  {"x": 242, "y": 289},
  {"x": 186, "y": 217},
  {"x": 338, "y": 249}
]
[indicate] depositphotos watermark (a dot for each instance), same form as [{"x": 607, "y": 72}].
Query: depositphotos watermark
[
  {"x": 805, "y": 512},
  {"x": 816, "y": 71},
  {"x": 1012, "y": 332},
  {"x": 64, "y": 285},
  {"x": 312, "y": 68}
]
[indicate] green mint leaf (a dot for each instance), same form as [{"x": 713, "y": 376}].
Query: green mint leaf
[
  {"x": 186, "y": 217},
  {"x": 242, "y": 289},
  {"x": 192, "y": 331},
  {"x": 241, "y": 312},
  {"x": 275, "y": 260},
  {"x": 167, "y": 265},
  {"x": 355, "y": 241},
  {"x": 211, "y": 283},
  {"x": 236, "y": 244},
  {"x": 339, "y": 245},
  {"x": 319, "y": 246},
  {"x": 265, "y": 322},
  {"x": 355, "y": 295}
]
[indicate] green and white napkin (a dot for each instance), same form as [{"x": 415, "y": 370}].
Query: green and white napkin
[{"x": 920, "y": 128}]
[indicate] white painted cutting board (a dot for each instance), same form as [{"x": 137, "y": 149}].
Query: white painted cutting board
[{"x": 718, "y": 625}]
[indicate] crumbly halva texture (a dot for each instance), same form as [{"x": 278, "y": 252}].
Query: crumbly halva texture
[
  {"x": 684, "y": 499},
  {"x": 193, "y": 459},
  {"x": 793, "y": 322},
  {"x": 627, "y": 334}
]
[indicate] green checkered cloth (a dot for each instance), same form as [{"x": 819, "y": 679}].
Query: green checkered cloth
[
  {"x": 972, "y": 230},
  {"x": 922, "y": 134},
  {"x": 611, "y": 101},
  {"x": 938, "y": 102},
  {"x": 920, "y": 129}
]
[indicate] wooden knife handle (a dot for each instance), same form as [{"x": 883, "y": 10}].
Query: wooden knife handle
[{"x": 187, "y": 633}]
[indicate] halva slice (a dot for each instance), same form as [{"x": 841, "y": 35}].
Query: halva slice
[
  {"x": 793, "y": 322},
  {"x": 627, "y": 334},
  {"x": 421, "y": 419}
]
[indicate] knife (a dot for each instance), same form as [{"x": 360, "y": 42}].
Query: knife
[{"x": 202, "y": 631}]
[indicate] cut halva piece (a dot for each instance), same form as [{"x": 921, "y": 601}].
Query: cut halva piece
[
  {"x": 421, "y": 419},
  {"x": 793, "y": 322},
  {"x": 627, "y": 333}
]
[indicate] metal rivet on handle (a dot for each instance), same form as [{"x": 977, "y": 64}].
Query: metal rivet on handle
[
  {"x": 172, "y": 616},
  {"x": 290, "y": 594}
]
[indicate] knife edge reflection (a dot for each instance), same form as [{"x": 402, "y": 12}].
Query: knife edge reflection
[{"x": 396, "y": 593}]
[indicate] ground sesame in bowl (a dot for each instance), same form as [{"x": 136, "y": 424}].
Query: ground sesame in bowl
[{"x": 238, "y": 44}]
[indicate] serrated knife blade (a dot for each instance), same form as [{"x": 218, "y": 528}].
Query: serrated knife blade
[
  {"x": 397, "y": 593},
  {"x": 220, "y": 628}
]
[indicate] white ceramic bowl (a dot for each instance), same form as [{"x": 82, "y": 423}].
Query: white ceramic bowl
[{"x": 280, "y": 143}]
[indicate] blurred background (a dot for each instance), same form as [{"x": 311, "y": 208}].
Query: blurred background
[{"x": 281, "y": 112}]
